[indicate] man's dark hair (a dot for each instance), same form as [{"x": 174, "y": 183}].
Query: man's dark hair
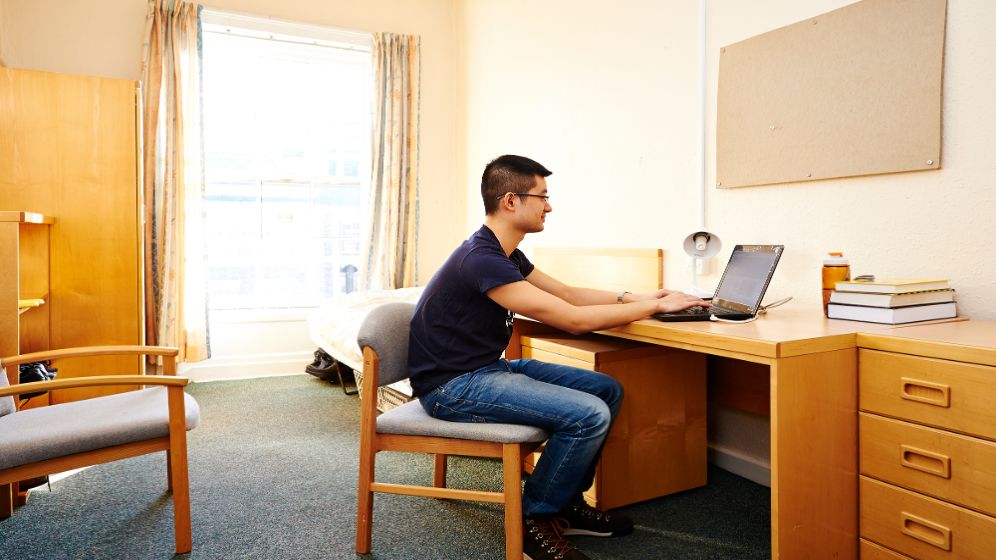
[{"x": 508, "y": 174}]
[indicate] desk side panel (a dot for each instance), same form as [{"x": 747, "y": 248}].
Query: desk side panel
[{"x": 814, "y": 459}]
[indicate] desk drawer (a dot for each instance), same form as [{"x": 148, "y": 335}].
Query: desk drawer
[
  {"x": 555, "y": 358},
  {"x": 923, "y": 527},
  {"x": 948, "y": 466},
  {"x": 951, "y": 395},
  {"x": 873, "y": 551},
  {"x": 657, "y": 445}
]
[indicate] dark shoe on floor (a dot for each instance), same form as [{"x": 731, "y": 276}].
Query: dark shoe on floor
[
  {"x": 542, "y": 540},
  {"x": 582, "y": 519},
  {"x": 324, "y": 367}
]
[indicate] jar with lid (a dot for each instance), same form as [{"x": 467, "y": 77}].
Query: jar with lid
[{"x": 835, "y": 269}]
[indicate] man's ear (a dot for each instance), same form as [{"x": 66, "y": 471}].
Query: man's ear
[{"x": 507, "y": 199}]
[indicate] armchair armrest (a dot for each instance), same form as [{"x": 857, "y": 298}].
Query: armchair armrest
[
  {"x": 94, "y": 381},
  {"x": 169, "y": 366}
]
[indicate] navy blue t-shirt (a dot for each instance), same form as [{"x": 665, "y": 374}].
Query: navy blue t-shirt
[{"x": 457, "y": 328}]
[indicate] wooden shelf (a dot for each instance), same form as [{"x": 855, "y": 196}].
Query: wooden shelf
[
  {"x": 25, "y": 217},
  {"x": 26, "y": 304},
  {"x": 24, "y": 253}
]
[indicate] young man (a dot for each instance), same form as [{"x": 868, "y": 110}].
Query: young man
[{"x": 462, "y": 324}]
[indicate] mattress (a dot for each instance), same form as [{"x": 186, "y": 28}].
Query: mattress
[{"x": 334, "y": 325}]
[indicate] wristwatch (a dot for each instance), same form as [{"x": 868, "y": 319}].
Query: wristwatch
[{"x": 620, "y": 296}]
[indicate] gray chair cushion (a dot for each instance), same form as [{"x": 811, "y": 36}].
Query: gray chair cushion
[
  {"x": 386, "y": 331},
  {"x": 6, "y": 403},
  {"x": 411, "y": 419},
  {"x": 43, "y": 433}
]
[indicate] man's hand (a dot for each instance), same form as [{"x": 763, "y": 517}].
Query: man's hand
[{"x": 677, "y": 301}]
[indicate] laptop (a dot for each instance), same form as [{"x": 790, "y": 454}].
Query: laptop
[{"x": 741, "y": 289}]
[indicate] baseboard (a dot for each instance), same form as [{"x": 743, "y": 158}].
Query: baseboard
[
  {"x": 751, "y": 468},
  {"x": 248, "y": 366}
]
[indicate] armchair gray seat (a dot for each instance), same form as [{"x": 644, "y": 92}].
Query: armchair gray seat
[{"x": 48, "y": 432}]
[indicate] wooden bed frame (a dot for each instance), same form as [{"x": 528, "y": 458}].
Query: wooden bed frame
[{"x": 633, "y": 270}]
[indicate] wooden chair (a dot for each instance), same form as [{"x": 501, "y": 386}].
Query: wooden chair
[
  {"x": 61, "y": 437},
  {"x": 384, "y": 340}
]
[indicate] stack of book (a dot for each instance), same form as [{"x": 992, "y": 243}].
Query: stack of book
[{"x": 892, "y": 301}]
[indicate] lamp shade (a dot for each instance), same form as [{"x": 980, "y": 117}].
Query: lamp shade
[{"x": 702, "y": 244}]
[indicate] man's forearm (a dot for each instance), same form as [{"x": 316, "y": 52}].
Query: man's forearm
[
  {"x": 605, "y": 316},
  {"x": 591, "y": 296}
]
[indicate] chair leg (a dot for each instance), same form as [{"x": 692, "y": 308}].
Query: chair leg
[
  {"x": 169, "y": 471},
  {"x": 512, "y": 470},
  {"x": 177, "y": 467},
  {"x": 180, "y": 486},
  {"x": 6, "y": 497},
  {"x": 364, "y": 501},
  {"x": 439, "y": 471}
]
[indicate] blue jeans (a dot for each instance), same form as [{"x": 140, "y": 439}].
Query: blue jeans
[{"x": 576, "y": 406}]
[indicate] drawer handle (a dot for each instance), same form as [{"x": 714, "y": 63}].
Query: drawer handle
[
  {"x": 929, "y": 532},
  {"x": 926, "y": 392},
  {"x": 926, "y": 461}
]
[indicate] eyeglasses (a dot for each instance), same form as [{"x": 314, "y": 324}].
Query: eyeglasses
[{"x": 546, "y": 198}]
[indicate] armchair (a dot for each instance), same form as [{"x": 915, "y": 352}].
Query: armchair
[{"x": 66, "y": 436}]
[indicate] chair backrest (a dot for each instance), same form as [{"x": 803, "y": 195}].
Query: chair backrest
[
  {"x": 385, "y": 330},
  {"x": 6, "y": 403}
]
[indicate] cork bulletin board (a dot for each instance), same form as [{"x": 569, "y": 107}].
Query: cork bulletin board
[{"x": 855, "y": 91}]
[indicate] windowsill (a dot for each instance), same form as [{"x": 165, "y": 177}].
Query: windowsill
[{"x": 241, "y": 316}]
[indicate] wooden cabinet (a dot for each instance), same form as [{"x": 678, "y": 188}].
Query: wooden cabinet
[
  {"x": 657, "y": 445},
  {"x": 927, "y": 447},
  {"x": 69, "y": 149}
]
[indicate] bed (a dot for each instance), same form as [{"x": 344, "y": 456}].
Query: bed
[{"x": 334, "y": 325}]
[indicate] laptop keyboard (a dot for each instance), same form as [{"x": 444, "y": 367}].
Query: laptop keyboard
[
  {"x": 696, "y": 310},
  {"x": 699, "y": 310}
]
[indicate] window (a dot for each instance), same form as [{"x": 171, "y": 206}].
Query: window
[{"x": 287, "y": 113}]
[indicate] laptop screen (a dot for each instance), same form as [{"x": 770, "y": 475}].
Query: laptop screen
[{"x": 746, "y": 277}]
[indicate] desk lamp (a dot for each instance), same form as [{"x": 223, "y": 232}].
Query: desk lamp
[{"x": 700, "y": 245}]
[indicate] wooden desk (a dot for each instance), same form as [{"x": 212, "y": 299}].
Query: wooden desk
[{"x": 814, "y": 415}]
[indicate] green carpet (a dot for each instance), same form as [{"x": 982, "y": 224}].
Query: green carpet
[{"x": 273, "y": 471}]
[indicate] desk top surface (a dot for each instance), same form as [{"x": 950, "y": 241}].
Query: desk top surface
[
  {"x": 793, "y": 332},
  {"x": 965, "y": 341}
]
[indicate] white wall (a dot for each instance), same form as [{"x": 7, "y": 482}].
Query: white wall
[
  {"x": 3, "y": 35},
  {"x": 606, "y": 98},
  {"x": 98, "y": 38}
]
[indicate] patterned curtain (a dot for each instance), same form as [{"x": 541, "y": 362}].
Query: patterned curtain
[
  {"x": 173, "y": 180},
  {"x": 392, "y": 232}
]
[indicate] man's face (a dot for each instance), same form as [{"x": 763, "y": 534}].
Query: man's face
[{"x": 533, "y": 207}]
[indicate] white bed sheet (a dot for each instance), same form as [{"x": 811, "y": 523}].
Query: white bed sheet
[{"x": 335, "y": 324}]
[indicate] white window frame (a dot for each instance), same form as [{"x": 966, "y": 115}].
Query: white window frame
[
  {"x": 246, "y": 25},
  {"x": 281, "y": 30}
]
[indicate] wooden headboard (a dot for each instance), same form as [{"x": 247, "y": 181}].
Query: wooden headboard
[{"x": 634, "y": 270}]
